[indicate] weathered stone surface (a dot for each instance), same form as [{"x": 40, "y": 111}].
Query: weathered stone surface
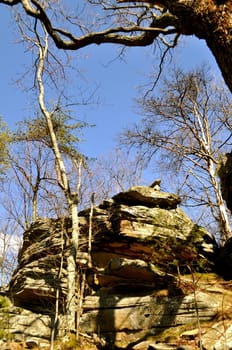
[
  {"x": 37, "y": 275},
  {"x": 163, "y": 238},
  {"x": 148, "y": 315},
  {"x": 142, "y": 195},
  {"x": 142, "y": 282},
  {"x": 219, "y": 336},
  {"x": 132, "y": 231},
  {"x": 25, "y": 326}
]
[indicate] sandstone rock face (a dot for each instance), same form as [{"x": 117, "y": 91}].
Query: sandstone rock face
[
  {"x": 151, "y": 278},
  {"x": 187, "y": 318},
  {"x": 22, "y": 327},
  {"x": 149, "y": 197},
  {"x": 36, "y": 277}
]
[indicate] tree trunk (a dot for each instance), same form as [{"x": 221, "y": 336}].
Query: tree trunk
[
  {"x": 221, "y": 48},
  {"x": 71, "y": 197},
  {"x": 72, "y": 269},
  {"x": 223, "y": 216},
  {"x": 219, "y": 38},
  {"x": 210, "y": 20}
]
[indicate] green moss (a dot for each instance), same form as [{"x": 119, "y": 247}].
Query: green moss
[
  {"x": 70, "y": 343},
  {"x": 4, "y": 302},
  {"x": 174, "y": 332},
  {"x": 4, "y": 318}
]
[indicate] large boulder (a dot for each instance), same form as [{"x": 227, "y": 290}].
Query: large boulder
[
  {"x": 37, "y": 277},
  {"x": 135, "y": 225},
  {"x": 184, "y": 313},
  {"x": 147, "y": 196},
  {"x": 142, "y": 248}
]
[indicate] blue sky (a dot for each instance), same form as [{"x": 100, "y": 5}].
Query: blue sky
[{"x": 117, "y": 83}]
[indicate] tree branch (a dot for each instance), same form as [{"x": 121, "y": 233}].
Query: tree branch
[{"x": 10, "y": 2}]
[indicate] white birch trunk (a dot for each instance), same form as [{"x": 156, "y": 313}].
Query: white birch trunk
[
  {"x": 223, "y": 215},
  {"x": 205, "y": 141},
  {"x": 71, "y": 198}
]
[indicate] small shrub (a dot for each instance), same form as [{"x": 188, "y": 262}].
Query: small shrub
[
  {"x": 72, "y": 344},
  {"x": 4, "y": 302},
  {"x": 4, "y": 318}
]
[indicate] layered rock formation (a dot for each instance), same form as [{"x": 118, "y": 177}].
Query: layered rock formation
[{"x": 150, "y": 275}]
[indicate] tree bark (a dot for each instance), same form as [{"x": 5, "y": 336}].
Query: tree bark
[
  {"x": 210, "y": 20},
  {"x": 223, "y": 215},
  {"x": 71, "y": 197},
  {"x": 221, "y": 48}
]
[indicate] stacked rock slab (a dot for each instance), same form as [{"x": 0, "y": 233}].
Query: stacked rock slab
[
  {"x": 142, "y": 242},
  {"x": 141, "y": 285}
]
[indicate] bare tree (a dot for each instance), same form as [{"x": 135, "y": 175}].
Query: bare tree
[
  {"x": 185, "y": 130},
  {"x": 71, "y": 195},
  {"x": 136, "y": 24},
  {"x": 30, "y": 189},
  {"x": 109, "y": 174},
  {"x": 4, "y": 142},
  {"x": 51, "y": 130},
  {"x": 10, "y": 241},
  {"x": 32, "y": 166}
]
